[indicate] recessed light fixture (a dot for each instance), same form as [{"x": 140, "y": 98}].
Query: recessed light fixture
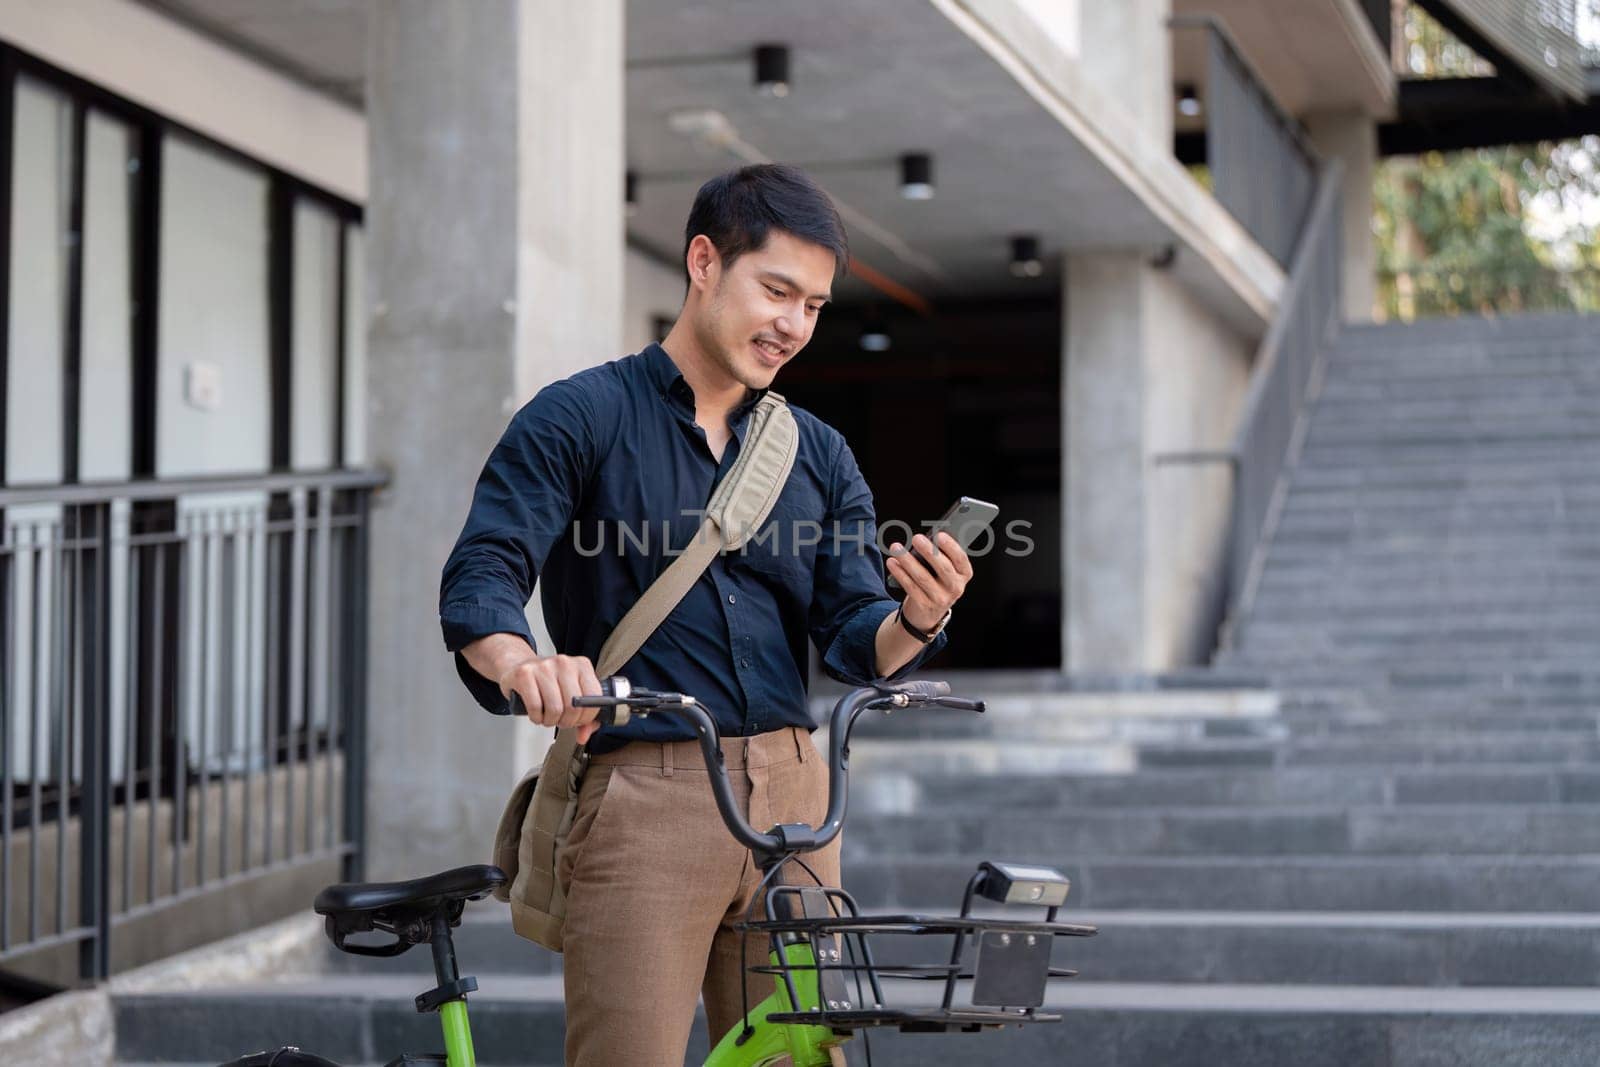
[
  {"x": 874, "y": 332},
  {"x": 875, "y": 339},
  {"x": 1189, "y": 100},
  {"x": 1025, "y": 256},
  {"x": 772, "y": 69},
  {"x": 916, "y": 176}
]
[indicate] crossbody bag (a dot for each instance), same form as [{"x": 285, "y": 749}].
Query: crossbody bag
[{"x": 539, "y": 814}]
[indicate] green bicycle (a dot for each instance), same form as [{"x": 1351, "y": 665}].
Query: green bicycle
[{"x": 828, "y": 983}]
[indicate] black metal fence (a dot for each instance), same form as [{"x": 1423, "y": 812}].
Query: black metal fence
[
  {"x": 1262, "y": 167},
  {"x": 182, "y": 695}
]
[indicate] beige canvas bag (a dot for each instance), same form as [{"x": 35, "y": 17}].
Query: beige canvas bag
[{"x": 534, "y": 826}]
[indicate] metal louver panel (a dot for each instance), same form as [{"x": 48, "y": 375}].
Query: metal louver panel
[{"x": 1539, "y": 36}]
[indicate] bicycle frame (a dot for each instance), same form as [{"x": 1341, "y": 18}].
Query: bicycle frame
[
  {"x": 457, "y": 1034},
  {"x": 806, "y": 1046}
]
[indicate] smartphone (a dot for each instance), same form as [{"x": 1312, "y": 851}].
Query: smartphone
[{"x": 965, "y": 521}]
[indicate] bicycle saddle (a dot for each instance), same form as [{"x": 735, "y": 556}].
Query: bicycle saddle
[
  {"x": 419, "y": 894},
  {"x": 405, "y": 909}
]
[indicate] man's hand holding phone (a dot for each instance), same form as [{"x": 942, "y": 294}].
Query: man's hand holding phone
[{"x": 934, "y": 583}]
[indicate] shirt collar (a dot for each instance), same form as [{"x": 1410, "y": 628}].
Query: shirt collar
[{"x": 668, "y": 380}]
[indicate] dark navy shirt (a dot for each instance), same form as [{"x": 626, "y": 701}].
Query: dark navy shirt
[{"x": 595, "y": 486}]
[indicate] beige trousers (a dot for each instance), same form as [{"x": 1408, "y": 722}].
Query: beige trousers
[{"x": 654, "y": 882}]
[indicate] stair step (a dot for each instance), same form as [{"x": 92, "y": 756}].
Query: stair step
[
  {"x": 365, "y": 1018},
  {"x": 519, "y": 1021},
  {"x": 1254, "y": 883},
  {"x": 1555, "y": 461},
  {"x": 1409, "y": 949},
  {"x": 1458, "y": 829},
  {"x": 1467, "y": 330},
  {"x": 1438, "y": 747},
  {"x": 1039, "y": 796},
  {"x": 1204, "y": 946}
]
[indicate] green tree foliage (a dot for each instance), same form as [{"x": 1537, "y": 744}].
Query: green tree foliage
[
  {"x": 1486, "y": 230},
  {"x": 1489, "y": 230}
]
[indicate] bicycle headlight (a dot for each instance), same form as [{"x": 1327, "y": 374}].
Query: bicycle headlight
[{"x": 1015, "y": 883}]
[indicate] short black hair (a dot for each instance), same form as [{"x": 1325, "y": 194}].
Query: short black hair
[{"x": 737, "y": 211}]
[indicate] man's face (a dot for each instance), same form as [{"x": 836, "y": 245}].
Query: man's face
[{"x": 760, "y": 312}]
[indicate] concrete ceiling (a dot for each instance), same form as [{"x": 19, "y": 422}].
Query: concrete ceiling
[
  {"x": 1314, "y": 55},
  {"x": 321, "y": 42},
  {"x": 869, "y": 81}
]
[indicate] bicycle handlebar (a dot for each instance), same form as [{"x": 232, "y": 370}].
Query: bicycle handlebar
[{"x": 619, "y": 701}]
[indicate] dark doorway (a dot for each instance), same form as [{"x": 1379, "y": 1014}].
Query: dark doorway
[{"x": 966, "y": 401}]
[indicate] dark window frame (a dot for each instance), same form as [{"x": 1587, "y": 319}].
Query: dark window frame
[{"x": 152, "y": 129}]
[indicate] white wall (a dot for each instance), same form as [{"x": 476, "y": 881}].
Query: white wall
[
  {"x": 1150, "y": 371},
  {"x": 145, "y": 56},
  {"x": 1059, "y": 19},
  {"x": 1195, "y": 371},
  {"x": 649, "y": 289}
]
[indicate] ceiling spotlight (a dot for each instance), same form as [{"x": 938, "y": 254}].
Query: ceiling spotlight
[
  {"x": 772, "y": 69},
  {"x": 874, "y": 332},
  {"x": 916, "y": 176},
  {"x": 1189, "y": 100},
  {"x": 630, "y": 197},
  {"x": 874, "y": 338},
  {"x": 1025, "y": 256}
]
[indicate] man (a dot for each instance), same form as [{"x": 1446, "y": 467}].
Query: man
[{"x": 578, "y": 492}]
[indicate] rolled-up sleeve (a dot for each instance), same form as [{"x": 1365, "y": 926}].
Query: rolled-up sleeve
[
  {"x": 849, "y": 598},
  {"x": 523, "y": 503}
]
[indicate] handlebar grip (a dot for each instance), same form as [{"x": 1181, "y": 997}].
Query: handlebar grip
[
  {"x": 922, "y": 690},
  {"x": 961, "y": 704},
  {"x": 610, "y": 714}
]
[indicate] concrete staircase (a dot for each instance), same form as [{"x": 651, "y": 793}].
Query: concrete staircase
[{"x": 1388, "y": 854}]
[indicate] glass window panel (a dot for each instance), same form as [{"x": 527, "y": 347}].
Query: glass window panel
[
  {"x": 315, "y": 378},
  {"x": 355, "y": 347},
  {"x": 213, "y": 403},
  {"x": 105, "y": 423},
  {"x": 41, "y": 177}
]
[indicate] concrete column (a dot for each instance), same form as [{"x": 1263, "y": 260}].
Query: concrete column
[
  {"x": 494, "y": 229},
  {"x": 1125, "y": 48},
  {"x": 1352, "y": 137},
  {"x": 1152, "y": 379},
  {"x": 1102, "y": 452}
]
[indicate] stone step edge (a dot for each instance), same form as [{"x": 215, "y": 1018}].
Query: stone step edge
[
  {"x": 545, "y": 992},
  {"x": 1109, "y": 918},
  {"x": 1261, "y": 811}
]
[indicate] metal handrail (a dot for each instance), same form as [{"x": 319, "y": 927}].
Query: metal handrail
[
  {"x": 1263, "y": 167},
  {"x": 182, "y": 689},
  {"x": 167, "y": 488},
  {"x": 1287, "y": 368}
]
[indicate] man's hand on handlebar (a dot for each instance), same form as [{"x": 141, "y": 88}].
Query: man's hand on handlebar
[{"x": 547, "y": 686}]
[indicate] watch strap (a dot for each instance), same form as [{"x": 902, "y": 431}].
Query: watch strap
[{"x": 925, "y": 638}]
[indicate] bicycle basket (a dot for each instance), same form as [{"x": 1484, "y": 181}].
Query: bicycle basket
[{"x": 967, "y": 973}]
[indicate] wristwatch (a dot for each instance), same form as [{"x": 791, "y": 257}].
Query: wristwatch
[{"x": 920, "y": 635}]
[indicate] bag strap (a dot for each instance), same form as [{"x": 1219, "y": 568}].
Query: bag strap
[{"x": 739, "y": 505}]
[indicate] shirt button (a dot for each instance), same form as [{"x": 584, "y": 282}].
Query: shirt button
[
  {"x": 730, "y": 598},
  {"x": 744, "y": 662}
]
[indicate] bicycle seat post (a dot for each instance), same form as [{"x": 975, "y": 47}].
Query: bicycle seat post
[
  {"x": 451, "y": 985},
  {"x": 445, "y": 970}
]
